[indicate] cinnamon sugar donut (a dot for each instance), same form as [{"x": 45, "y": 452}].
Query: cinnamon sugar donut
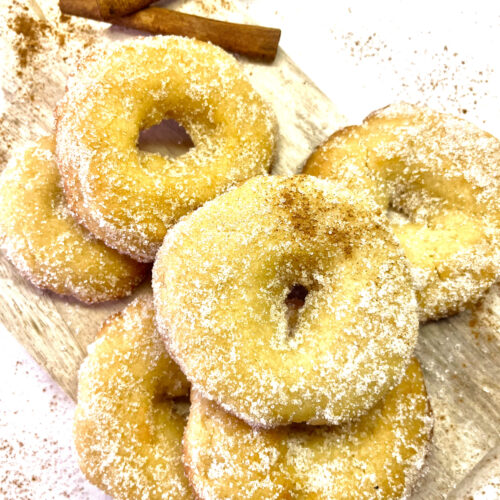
[
  {"x": 227, "y": 276},
  {"x": 128, "y": 197},
  {"x": 43, "y": 241},
  {"x": 378, "y": 456},
  {"x": 131, "y": 413},
  {"x": 443, "y": 174}
]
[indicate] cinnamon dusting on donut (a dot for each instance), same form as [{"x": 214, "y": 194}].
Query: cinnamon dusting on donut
[
  {"x": 244, "y": 255},
  {"x": 303, "y": 217},
  {"x": 298, "y": 209}
]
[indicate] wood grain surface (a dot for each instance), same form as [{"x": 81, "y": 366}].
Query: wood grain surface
[{"x": 460, "y": 356}]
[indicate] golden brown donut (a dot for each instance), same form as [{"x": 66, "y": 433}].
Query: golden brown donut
[
  {"x": 131, "y": 411},
  {"x": 227, "y": 273},
  {"x": 43, "y": 241},
  {"x": 443, "y": 174},
  {"x": 128, "y": 197},
  {"x": 378, "y": 456}
]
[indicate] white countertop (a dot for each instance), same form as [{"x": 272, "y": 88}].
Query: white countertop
[{"x": 363, "y": 55}]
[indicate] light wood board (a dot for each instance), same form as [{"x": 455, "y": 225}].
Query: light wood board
[{"x": 460, "y": 356}]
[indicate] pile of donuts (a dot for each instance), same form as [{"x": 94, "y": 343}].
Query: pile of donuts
[{"x": 274, "y": 356}]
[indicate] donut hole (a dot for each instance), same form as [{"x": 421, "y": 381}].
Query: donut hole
[
  {"x": 396, "y": 215},
  {"x": 167, "y": 138},
  {"x": 294, "y": 302},
  {"x": 178, "y": 404}
]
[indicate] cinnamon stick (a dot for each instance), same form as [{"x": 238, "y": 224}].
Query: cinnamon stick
[
  {"x": 118, "y": 8},
  {"x": 255, "y": 42}
]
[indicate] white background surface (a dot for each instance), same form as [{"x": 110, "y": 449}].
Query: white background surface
[{"x": 363, "y": 55}]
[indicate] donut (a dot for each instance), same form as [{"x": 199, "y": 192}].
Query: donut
[
  {"x": 441, "y": 177},
  {"x": 128, "y": 197},
  {"x": 132, "y": 409},
  {"x": 380, "y": 455},
  {"x": 43, "y": 241},
  {"x": 286, "y": 300}
]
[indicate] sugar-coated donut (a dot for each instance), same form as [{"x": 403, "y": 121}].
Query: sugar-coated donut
[
  {"x": 128, "y": 197},
  {"x": 378, "y": 456},
  {"x": 43, "y": 241},
  {"x": 227, "y": 280},
  {"x": 443, "y": 173},
  {"x": 132, "y": 410}
]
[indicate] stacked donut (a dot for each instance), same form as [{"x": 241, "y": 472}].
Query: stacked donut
[
  {"x": 86, "y": 210},
  {"x": 274, "y": 358},
  {"x": 298, "y": 353},
  {"x": 439, "y": 178}
]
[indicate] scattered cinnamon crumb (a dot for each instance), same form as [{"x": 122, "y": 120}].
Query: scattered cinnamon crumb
[
  {"x": 30, "y": 32},
  {"x": 32, "y": 72},
  {"x": 484, "y": 323}
]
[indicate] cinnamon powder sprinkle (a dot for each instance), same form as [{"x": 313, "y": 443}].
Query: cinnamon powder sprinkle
[
  {"x": 30, "y": 31},
  {"x": 35, "y": 45}
]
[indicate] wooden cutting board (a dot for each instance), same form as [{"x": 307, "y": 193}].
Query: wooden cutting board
[{"x": 460, "y": 356}]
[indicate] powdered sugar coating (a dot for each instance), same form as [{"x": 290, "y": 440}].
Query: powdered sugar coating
[
  {"x": 380, "y": 455},
  {"x": 221, "y": 280},
  {"x": 129, "y": 420},
  {"x": 129, "y": 197},
  {"x": 44, "y": 242},
  {"x": 443, "y": 174}
]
